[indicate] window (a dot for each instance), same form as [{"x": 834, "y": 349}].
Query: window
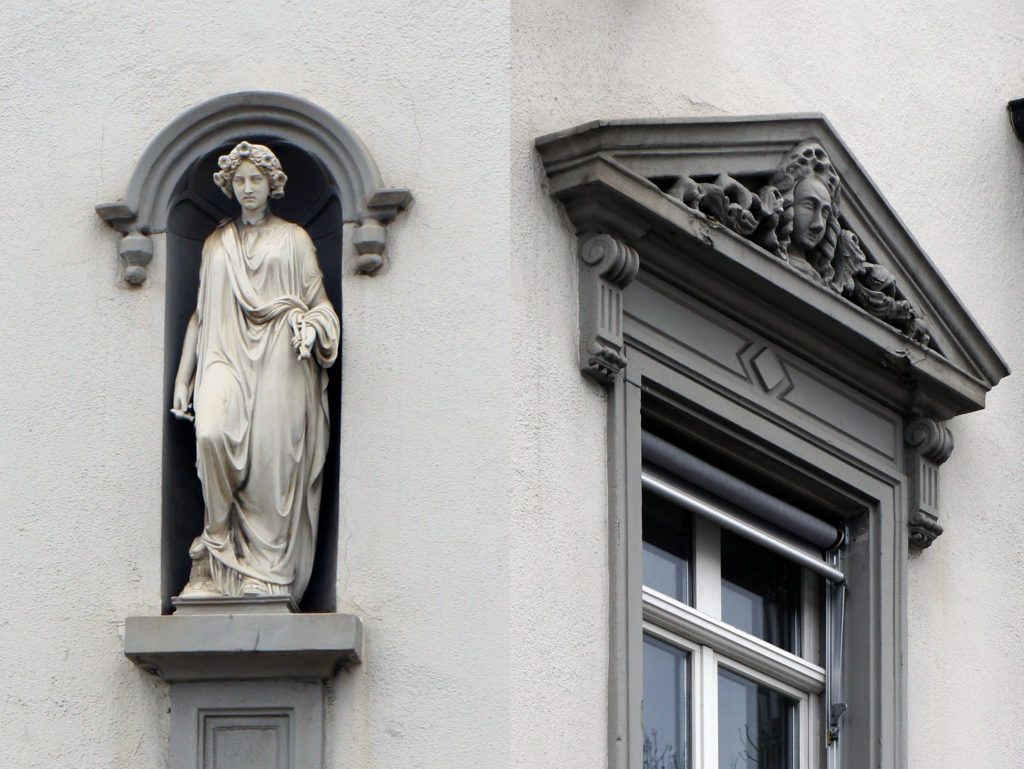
[
  {"x": 690, "y": 317},
  {"x": 734, "y": 633}
]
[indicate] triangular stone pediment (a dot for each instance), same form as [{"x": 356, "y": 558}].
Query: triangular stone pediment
[{"x": 723, "y": 207}]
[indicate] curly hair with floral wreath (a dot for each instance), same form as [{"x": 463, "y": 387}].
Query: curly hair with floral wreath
[{"x": 261, "y": 157}]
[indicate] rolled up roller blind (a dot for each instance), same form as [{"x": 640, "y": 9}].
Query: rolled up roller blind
[
  {"x": 772, "y": 510},
  {"x": 710, "y": 492}
]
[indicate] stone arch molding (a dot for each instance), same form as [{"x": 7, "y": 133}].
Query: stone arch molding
[{"x": 143, "y": 210}]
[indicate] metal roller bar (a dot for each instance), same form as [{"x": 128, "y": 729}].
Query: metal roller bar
[{"x": 728, "y": 521}]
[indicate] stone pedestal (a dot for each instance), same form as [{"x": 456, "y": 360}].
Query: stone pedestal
[
  {"x": 225, "y": 604},
  {"x": 247, "y": 688}
]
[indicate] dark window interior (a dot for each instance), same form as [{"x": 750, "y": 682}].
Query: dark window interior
[
  {"x": 760, "y": 592},
  {"x": 668, "y": 548}
]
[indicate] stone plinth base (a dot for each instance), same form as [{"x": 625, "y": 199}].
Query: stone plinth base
[{"x": 224, "y": 604}]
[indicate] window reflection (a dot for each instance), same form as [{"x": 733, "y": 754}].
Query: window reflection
[
  {"x": 668, "y": 548},
  {"x": 755, "y": 725},
  {"x": 666, "y": 707},
  {"x": 760, "y": 592}
]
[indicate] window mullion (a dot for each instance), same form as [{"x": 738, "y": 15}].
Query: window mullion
[
  {"x": 810, "y": 618},
  {"x": 802, "y": 736},
  {"x": 708, "y": 707},
  {"x": 814, "y": 732},
  {"x": 707, "y": 578}
]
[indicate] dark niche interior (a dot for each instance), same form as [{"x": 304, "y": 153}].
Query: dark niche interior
[{"x": 312, "y": 200}]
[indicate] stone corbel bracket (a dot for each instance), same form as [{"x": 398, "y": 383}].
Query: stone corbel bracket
[
  {"x": 136, "y": 252},
  {"x": 143, "y": 210},
  {"x": 606, "y": 267},
  {"x": 929, "y": 444}
]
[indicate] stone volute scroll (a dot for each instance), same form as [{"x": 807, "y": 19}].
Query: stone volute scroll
[
  {"x": 608, "y": 267},
  {"x": 929, "y": 444}
]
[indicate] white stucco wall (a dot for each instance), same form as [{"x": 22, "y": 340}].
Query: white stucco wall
[
  {"x": 473, "y": 532},
  {"x": 918, "y": 91},
  {"x": 83, "y": 89}
]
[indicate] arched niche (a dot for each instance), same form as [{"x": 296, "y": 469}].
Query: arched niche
[
  {"x": 334, "y": 192},
  {"x": 144, "y": 209}
]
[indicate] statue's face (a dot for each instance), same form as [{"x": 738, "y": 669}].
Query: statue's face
[
  {"x": 812, "y": 207},
  {"x": 252, "y": 188}
]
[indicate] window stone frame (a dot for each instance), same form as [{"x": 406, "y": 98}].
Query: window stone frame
[{"x": 790, "y": 379}]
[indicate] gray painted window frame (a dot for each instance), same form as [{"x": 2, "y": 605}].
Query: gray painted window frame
[{"x": 791, "y": 381}]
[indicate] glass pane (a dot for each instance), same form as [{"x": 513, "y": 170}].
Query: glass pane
[
  {"x": 666, "y": 710},
  {"x": 668, "y": 548},
  {"x": 756, "y": 725},
  {"x": 760, "y": 592}
]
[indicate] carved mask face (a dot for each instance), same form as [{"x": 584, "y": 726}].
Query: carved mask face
[
  {"x": 252, "y": 188},
  {"x": 812, "y": 207}
]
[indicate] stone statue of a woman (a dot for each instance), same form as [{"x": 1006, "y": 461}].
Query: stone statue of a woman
[{"x": 253, "y": 370}]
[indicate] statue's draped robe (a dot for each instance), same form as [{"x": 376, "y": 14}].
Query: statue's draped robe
[{"x": 261, "y": 414}]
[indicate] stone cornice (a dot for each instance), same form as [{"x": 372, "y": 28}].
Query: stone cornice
[{"x": 605, "y": 174}]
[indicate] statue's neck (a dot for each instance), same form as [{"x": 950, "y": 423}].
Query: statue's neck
[{"x": 255, "y": 217}]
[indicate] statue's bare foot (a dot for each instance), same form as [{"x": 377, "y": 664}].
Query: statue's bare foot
[
  {"x": 200, "y": 579},
  {"x": 253, "y": 587},
  {"x": 199, "y": 588}
]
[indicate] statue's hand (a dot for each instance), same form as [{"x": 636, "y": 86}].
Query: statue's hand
[
  {"x": 303, "y": 339},
  {"x": 181, "y": 401}
]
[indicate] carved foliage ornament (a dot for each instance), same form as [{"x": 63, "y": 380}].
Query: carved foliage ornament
[{"x": 796, "y": 218}]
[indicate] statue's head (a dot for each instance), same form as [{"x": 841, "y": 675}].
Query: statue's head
[
  {"x": 260, "y": 157},
  {"x": 812, "y": 210},
  {"x": 810, "y": 187}
]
